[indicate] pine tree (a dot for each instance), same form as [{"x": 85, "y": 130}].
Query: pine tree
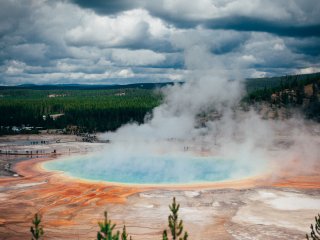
[
  {"x": 176, "y": 226},
  {"x": 36, "y": 229},
  {"x": 315, "y": 230},
  {"x": 124, "y": 235},
  {"x": 106, "y": 230},
  {"x": 165, "y": 235}
]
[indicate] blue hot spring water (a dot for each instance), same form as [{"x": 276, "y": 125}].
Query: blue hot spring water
[{"x": 154, "y": 169}]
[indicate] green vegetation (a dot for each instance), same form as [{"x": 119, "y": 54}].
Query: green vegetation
[
  {"x": 106, "y": 230},
  {"x": 36, "y": 230},
  {"x": 301, "y": 91},
  {"x": 107, "y": 227},
  {"x": 84, "y": 108},
  {"x": 89, "y": 110},
  {"x": 259, "y": 84},
  {"x": 315, "y": 230},
  {"x": 176, "y": 226},
  {"x": 124, "y": 235}
]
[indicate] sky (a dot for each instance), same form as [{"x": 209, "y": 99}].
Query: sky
[{"x": 133, "y": 41}]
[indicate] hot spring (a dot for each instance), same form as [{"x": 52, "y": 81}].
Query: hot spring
[{"x": 152, "y": 168}]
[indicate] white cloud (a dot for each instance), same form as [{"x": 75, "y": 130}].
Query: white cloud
[
  {"x": 112, "y": 73},
  {"x": 14, "y": 67},
  {"x": 175, "y": 77},
  {"x": 257, "y": 74},
  {"x": 137, "y": 57},
  {"x": 265, "y": 47},
  {"x": 124, "y": 73},
  {"x": 128, "y": 28},
  {"x": 64, "y": 66},
  {"x": 308, "y": 70},
  {"x": 249, "y": 58},
  {"x": 278, "y": 46}
]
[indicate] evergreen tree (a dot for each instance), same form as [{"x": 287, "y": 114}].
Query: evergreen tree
[
  {"x": 300, "y": 93},
  {"x": 165, "y": 235},
  {"x": 315, "y": 230},
  {"x": 176, "y": 226},
  {"x": 124, "y": 235},
  {"x": 106, "y": 230},
  {"x": 36, "y": 229}
]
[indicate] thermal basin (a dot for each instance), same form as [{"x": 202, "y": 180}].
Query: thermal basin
[{"x": 152, "y": 168}]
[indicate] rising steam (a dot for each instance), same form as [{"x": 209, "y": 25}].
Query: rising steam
[{"x": 203, "y": 116}]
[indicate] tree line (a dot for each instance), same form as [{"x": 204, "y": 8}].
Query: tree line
[
  {"x": 90, "y": 110},
  {"x": 290, "y": 91}
]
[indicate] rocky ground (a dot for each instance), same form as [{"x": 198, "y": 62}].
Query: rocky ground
[
  {"x": 259, "y": 213},
  {"x": 71, "y": 208},
  {"x": 17, "y": 148}
]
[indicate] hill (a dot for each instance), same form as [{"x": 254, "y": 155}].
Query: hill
[
  {"x": 89, "y": 108},
  {"x": 254, "y": 84},
  {"x": 87, "y": 86}
]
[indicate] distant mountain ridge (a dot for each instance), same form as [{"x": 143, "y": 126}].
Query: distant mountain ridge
[
  {"x": 251, "y": 84},
  {"x": 87, "y": 86}
]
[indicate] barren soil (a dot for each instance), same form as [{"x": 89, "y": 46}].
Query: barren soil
[{"x": 247, "y": 209}]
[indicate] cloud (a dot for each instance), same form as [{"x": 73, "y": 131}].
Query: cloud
[
  {"x": 308, "y": 70},
  {"x": 129, "y": 29},
  {"x": 309, "y": 46},
  {"x": 34, "y": 52},
  {"x": 154, "y": 38},
  {"x": 16, "y": 73},
  {"x": 49, "y": 41},
  {"x": 137, "y": 57},
  {"x": 249, "y": 58},
  {"x": 14, "y": 67},
  {"x": 281, "y": 28},
  {"x": 108, "y": 7},
  {"x": 294, "y": 18}
]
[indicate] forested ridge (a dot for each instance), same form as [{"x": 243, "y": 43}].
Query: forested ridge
[
  {"x": 90, "y": 110},
  {"x": 262, "y": 88},
  {"x": 297, "y": 91}
]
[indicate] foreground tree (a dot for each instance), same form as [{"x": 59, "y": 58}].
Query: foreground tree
[
  {"x": 315, "y": 230},
  {"x": 36, "y": 229},
  {"x": 175, "y": 225},
  {"x": 106, "y": 230},
  {"x": 124, "y": 235}
]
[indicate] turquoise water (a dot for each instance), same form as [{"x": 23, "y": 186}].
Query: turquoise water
[{"x": 157, "y": 169}]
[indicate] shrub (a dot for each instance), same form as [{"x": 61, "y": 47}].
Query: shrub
[
  {"x": 315, "y": 230},
  {"x": 36, "y": 229},
  {"x": 175, "y": 226},
  {"x": 106, "y": 230}
]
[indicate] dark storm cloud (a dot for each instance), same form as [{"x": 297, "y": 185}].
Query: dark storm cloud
[
  {"x": 228, "y": 45},
  {"x": 9, "y": 14},
  {"x": 130, "y": 40},
  {"x": 308, "y": 46},
  {"x": 112, "y": 7},
  {"x": 108, "y": 6},
  {"x": 285, "y": 18},
  {"x": 258, "y": 25}
]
